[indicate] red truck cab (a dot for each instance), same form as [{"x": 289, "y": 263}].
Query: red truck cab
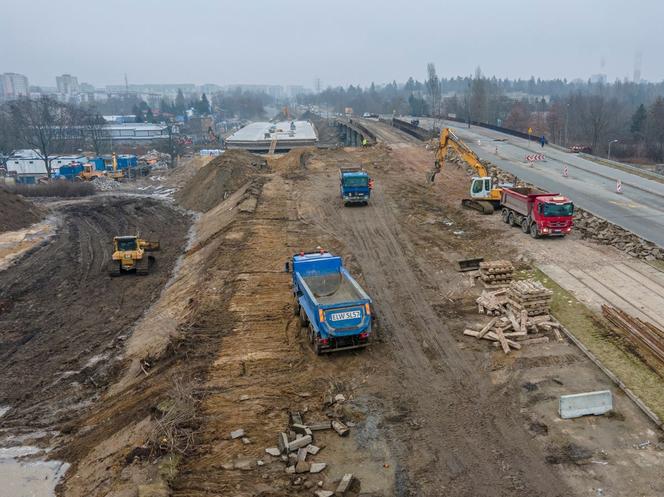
[{"x": 536, "y": 212}]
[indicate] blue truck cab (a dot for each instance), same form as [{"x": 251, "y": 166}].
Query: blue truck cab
[
  {"x": 355, "y": 185},
  {"x": 332, "y": 306}
]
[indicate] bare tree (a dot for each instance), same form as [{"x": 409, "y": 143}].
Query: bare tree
[
  {"x": 42, "y": 125},
  {"x": 597, "y": 118},
  {"x": 95, "y": 131},
  {"x": 433, "y": 89}
]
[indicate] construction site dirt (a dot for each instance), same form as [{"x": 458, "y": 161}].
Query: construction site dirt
[{"x": 430, "y": 412}]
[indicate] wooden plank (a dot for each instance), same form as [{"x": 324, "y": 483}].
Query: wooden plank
[
  {"x": 503, "y": 341},
  {"x": 524, "y": 320},
  {"x": 513, "y": 320},
  {"x": 487, "y": 327}
]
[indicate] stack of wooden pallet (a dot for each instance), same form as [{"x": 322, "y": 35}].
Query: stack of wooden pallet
[
  {"x": 492, "y": 303},
  {"x": 529, "y": 296},
  {"x": 496, "y": 274}
]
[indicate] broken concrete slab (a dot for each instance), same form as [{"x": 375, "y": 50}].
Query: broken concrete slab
[
  {"x": 273, "y": 451},
  {"x": 302, "y": 467},
  {"x": 300, "y": 442},
  {"x": 290, "y": 470},
  {"x": 246, "y": 440},
  {"x": 312, "y": 449},
  {"x": 323, "y": 493},
  {"x": 340, "y": 428},
  {"x": 317, "y": 467},
  {"x": 301, "y": 429},
  {"x": 296, "y": 418},
  {"x": 302, "y": 454},
  {"x": 344, "y": 484},
  {"x": 239, "y": 433}
]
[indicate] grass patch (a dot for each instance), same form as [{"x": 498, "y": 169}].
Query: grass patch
[{"x": 611, "y": 349}]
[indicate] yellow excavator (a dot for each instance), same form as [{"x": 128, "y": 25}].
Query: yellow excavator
[
  {"x": 484, "y": 194},
  {"x": 131, "y": 253},
  {"x": 115, "y": 173}
]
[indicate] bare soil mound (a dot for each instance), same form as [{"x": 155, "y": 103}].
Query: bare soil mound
[
  {"x": 218, "y": 179},
  {"x": 16, "y": 212}
]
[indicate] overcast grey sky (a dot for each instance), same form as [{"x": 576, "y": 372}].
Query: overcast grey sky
[{"x": 340, "y": 42}]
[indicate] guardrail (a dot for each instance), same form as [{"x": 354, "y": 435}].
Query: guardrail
[{"x": 412, "y": 129}]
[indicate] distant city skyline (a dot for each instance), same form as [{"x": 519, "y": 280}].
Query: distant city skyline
[{"x": 341, "y": 43}]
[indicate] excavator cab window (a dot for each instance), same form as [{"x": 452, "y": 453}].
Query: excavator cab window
[{"x": 478, "y": 186}]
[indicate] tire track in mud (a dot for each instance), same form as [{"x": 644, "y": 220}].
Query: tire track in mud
[
  {"x": 68, "y": 318},
  {"x": 465, "y": 417}
]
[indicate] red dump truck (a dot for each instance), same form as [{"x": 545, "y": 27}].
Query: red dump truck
[{"x": 536, "y": 212}]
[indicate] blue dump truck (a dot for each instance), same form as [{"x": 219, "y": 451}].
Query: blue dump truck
[
  {"x": 332, "y": 306},
  {"x": 355, "y": 185}
]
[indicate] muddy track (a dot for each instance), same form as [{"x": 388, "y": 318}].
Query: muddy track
[
  {"x": 68, "y": 319},
  {"x": 471, "y": 427}
]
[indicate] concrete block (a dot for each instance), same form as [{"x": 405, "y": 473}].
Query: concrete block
[
  {"x": 273, "y": 451},
  {"x": 326, "y": 425},
  {"x": 340, "y": 428},
  {"x": 312, "y": 449},
  {"x": 344, "y": 484},
  {"x": 300, "y": 429},
  {"x": 246, "y": 440},
  {"x": 302, "y": 454},
  {"x": 296, "y": 418},
  {"x": 299, "y": 443},
  {"x": 237, "y": 434},
  {"x": 584, "y": 404},
  {"x": 282, "y": 442},
  {"x": 317, "y": 467}
]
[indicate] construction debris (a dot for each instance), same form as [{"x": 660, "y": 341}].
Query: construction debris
[
  {"x": 237, "y": 434},
  {"x": 520, "y": 316},
  {"x": 641, "y": 333},
  {"x": 496, "y": 274},
  {"x": 344, "y": 484}
]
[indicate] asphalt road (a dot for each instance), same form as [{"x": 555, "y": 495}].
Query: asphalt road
[{"x": 591, "y": 186}]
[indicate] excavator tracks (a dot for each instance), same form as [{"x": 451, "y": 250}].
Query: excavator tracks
[{"x": 483, "y": 206}]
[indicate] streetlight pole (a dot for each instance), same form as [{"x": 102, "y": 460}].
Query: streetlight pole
[
  {"x": 566, "y": 121},
  {"x": 611, "y": 142}
]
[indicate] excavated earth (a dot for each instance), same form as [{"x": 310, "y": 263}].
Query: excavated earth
[{"x": 63, "y": 319}]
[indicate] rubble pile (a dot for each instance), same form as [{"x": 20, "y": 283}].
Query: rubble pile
[
  {"x": 104, "y": 184},
  {"x": 496, "y": 274},
  {"x": 601, "y": 231},
  {"x": 155, "y": 159},
  {"x": 297, "y": 450},
  {"x": 520, "y": 316}
]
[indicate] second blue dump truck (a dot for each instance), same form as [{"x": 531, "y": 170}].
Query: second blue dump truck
[
  {"x": 355, "y": 185},
  {"x": 331, "y": 305}
]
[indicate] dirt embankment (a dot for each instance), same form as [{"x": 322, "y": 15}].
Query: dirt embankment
[
  {"x": 16, "y": 212},
  {"x": 64, "y": 320},
  {"x": 219, "y": 178}
]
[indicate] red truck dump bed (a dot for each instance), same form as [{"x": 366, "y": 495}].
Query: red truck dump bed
[{"x": 538, "y": 212}]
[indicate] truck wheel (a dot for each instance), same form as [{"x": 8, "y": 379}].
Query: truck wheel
[
  {"x": 296, "y": 306},
  {"x": 533, "y": 230},
  {"x": 510, "y": 219},
  {"x": 316, "y": 344},
  {"x": 505, "y": 215},
  {"x": 524, "y": 226}
]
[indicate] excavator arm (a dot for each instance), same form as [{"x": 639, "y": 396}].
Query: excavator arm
[
  {"x": 484, "y": 197},
  {"x": 449, "y": 140}
]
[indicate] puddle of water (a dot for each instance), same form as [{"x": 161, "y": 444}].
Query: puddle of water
[{"x": 28, "y": 478}]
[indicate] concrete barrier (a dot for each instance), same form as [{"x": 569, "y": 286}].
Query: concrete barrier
[{"x": 584, "y": 404}]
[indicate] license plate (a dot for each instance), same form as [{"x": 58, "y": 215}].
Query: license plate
[{"x": 342, "y": 316}]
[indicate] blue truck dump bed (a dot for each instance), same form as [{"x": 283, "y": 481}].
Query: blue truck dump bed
[
  {"x": 332, "y": 306},
  {"x": 354, "y": 185}
]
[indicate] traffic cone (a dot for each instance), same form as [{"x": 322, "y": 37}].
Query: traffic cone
[
  {"x": 618, "y": 186},
  {"x": 565, "y": 172}
]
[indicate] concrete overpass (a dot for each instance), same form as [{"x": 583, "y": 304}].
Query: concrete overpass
[{"x": 354, "y": 132}]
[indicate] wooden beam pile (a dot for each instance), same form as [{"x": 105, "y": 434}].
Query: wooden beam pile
[
  {"x": 529, "y": 296},
  {"x": 520, "y": 316},
  {"x": 641, "y": 333},
  {"x": 496, "y": 274}
]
